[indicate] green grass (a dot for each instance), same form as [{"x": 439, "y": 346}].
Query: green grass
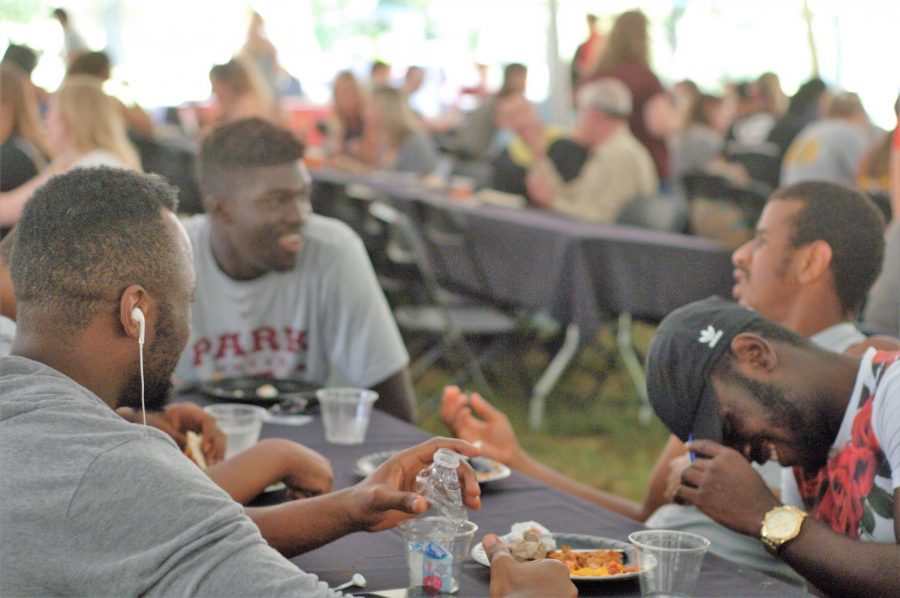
[{"x": 591, "y": 430}]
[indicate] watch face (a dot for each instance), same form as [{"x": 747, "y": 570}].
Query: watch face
[{"x": 781, "y": 524}]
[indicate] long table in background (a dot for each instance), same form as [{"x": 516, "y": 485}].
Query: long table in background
[
  {"x": 381, "y": 559},
  {"x": 582, "y": 274}
]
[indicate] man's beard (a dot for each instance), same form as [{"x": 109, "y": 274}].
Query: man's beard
[
  {"x": 156, "y": 392},
  {"x": 811, "y": 437},
  {"x": 158, "y": 367}
]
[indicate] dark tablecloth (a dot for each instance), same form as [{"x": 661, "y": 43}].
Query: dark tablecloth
[
  {"x": 381, "y": 559},
  {"x": 578, "y": 272}
]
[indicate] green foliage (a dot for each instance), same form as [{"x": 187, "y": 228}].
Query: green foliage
[
  {"x": 591, "y": 430},
  {"x": 22, "y": 10}
]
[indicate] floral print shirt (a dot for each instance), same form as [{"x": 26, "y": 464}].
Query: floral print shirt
[{"x": 854, "y": 492}]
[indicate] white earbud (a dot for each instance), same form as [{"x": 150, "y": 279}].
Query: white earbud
[{"x": 138, "y": 316}]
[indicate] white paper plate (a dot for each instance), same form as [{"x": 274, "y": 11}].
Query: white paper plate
[
  {"x": 578, "y": 542},
  {"x": 486, "y": 470}
]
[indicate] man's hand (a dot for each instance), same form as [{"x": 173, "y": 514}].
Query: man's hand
[
  {"x": 307, "y": 472},
  {"x": 177, "y": 418},
  {"x": 673, "y": 480},
  {"x": 547, "y": 577},
  {"x": 492, "y": 432},
  {"x": 388, "y": 496},
  {"x": 722, "y": 484},
  {"x": 539, "y": 190}
]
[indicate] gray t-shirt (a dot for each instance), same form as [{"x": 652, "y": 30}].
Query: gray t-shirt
[
  {"x": 328, "y": 312},
  {"x": 416, "y": 154},
  {"x": 93, "y": 505},
  {"x": 826, "y": 150}
]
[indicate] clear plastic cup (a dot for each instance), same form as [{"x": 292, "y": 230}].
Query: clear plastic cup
[
  {"x": 346, "y": 413},
  {"x": 240, "y": 423},
  {"x": 436, "y": 548},
  {"x": 668, "y": 561}
]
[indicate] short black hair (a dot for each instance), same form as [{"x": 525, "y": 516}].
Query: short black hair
[
  {"x": 851, "y": 224},
  {"x": 84, "y": 237},
  {"x": 230, "y": 150},
  {"x": 21, "y": 56}
]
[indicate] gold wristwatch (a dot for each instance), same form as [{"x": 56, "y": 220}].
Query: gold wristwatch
[{"x": 781, "y": 525}]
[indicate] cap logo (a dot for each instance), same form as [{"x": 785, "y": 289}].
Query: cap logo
[{"x": 710, "y": 336}]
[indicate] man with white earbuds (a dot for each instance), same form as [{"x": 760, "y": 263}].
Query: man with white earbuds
[
  {"x": 281, "y": 291},
  {"x": 94, "y": 505},
  {"x": 175, "y": 419}
]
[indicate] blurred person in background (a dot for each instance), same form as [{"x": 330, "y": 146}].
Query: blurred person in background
[
  {"x": 748, "y": 149},
  {"x": 700, "y": 142},
  {"x": 874, "y": 175},
  {"x": 586, "y": 55},
  {"x": 830, "y": 149},
  {"x": 84, "y": 128},
  {"x": 26, "y": 59},
  {"x": 24, "y": 148},
  {"x": 260, "y": 50},
  {"x": 474, "y": 139},
  {"x": 806, "y": 105},
  {"x": 684, "y": 94},
  {"x": 379, "y": 75},
  {"x": 510, "y": 168},
  {"x": 97, "y": 64},
  {"x": 241, "y": 93},
  {"x": 412, "y": 81},
  {"x": 397, "y": 140},
  {"x": 773, "y": 97},
  {"x": 626, "y": 57},
  {"x": 73, "y": 44},
  {"x": 618, "y": 169},
  {"x": 345, "y": 123}
]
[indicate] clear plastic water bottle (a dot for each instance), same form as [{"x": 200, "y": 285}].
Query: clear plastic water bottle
[{"x": 439, "y": 483}]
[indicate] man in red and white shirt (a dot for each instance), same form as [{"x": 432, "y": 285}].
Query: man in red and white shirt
[{"x": 750, "y": 390}]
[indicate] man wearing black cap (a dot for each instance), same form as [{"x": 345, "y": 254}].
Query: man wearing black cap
[{"x": 747, "y": 389}]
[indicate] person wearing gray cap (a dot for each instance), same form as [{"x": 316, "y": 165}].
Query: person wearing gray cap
[
  {"x": 618, "y": 170},
  {"x": 747, "y": 389}
]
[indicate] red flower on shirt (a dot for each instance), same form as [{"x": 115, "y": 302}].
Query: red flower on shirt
[{"x": 848, "y": 508}]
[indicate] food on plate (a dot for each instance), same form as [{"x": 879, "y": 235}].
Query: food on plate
[
  {"x": 593, "y": 563},
  {"x": 485, "y": 469},
  {"x": 528, "y": 548},
  {"x": 193, "y": 448},
  {"x": 267, "y": 391}
]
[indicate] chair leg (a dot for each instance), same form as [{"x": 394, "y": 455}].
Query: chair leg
[
  {"x": 633, "y": 366},
  {"x": 551, "y": 376},
  {"x": 428, "y": 359}
]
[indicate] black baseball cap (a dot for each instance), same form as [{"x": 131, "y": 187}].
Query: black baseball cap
[{"x": 687, "y": 344}]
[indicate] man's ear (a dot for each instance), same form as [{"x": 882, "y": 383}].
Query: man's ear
[
  {"x": 815, "y": 261},
  {"x": 753, "y": 353},
  {"x": 135, "y": 297}
]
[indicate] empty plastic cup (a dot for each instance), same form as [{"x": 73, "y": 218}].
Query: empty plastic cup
[
  {"x": 346, "y": 413},
  {"x": 668, "y": 561},
  {"x": 436, "y": 548},
  {"x": 240, "y": 423}
]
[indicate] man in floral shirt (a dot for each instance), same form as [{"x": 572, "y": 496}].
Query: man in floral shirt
[{"x": 750, "y": 390}]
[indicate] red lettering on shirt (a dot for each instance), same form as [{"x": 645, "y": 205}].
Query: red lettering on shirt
[
  {"x": 230, "y": 341},
  {"x": 265, "y": 334},
  {"x": 201, "y": 348},
  {"x": 296, "y": 341}
]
